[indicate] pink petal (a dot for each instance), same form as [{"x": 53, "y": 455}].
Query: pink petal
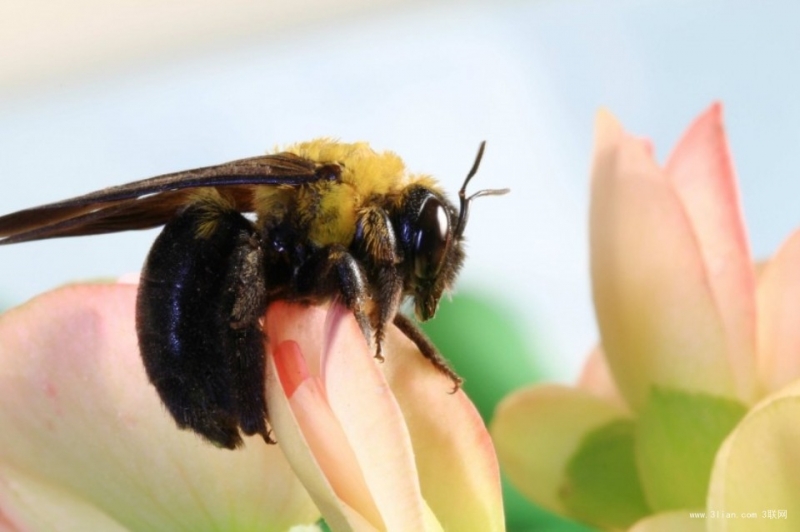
[
  {"x": 657, "y": 314},
  {"x": 77, "y": 413},
  {"x": 366, "y": 407},
  {"x": 338, "y": 513},
  {"x": 778, "y": 312},
  {"x": 455, "y": 456},
  {"x": 28, "y": 505},
  {"x": 14, "y": 517},
  {"x": 701, "y": 171},
  {"x": 129, "y": 278},
  {"x": 323, "y": 432},
  {"x": 359, "y": 402}
]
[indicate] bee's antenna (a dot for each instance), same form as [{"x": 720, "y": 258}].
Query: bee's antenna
[{"x": 463, "y": 212}]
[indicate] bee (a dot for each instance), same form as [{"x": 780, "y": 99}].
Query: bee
[{"x": 321, "y": 220}]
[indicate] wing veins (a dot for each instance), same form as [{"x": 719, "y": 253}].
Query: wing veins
[{"x": 68, "y": 217}]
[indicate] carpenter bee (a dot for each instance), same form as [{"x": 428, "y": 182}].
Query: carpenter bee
[{"x": 332, "y": 220}]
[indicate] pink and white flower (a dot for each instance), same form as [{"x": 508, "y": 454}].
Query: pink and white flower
[{"x": 689, "y": 402}]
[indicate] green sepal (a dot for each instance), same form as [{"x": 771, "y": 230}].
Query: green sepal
[
  {"x": 601, "y": 484},
  {"x": 678, "y": 435}
]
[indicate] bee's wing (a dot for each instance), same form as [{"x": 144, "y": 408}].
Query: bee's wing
[{"x": 152, "y": 202}]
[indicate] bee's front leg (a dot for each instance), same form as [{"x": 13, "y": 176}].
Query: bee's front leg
[
  {"x": 375, "y": 244},
  {"x": 426, "y": 347},
  {"x": 332, "y": 270}
]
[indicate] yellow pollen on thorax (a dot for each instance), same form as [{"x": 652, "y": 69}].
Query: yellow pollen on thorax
[{"x": 365, "y": 174}]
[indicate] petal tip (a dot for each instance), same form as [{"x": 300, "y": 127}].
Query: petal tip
[
  {"x": 709, "y": 121},
  {"x": 606, "y": 125}
]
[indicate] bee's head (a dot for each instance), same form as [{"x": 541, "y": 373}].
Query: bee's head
[{"x": 431, "y": 232}]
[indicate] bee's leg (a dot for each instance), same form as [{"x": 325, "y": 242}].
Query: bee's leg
[
  {"x": 375, "y": 240},
  {"x": 184, "y": 310},
  {"x": 389, "y": 290},
  {"x": 243, "y": 338},
  {"x": 426, "y": 347},
  {"x": 333, "y": 270}
]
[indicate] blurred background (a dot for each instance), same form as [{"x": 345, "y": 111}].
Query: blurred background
[{"x": 96, "y": 93}]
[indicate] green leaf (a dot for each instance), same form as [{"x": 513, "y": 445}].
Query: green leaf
[
  {"x": 602, "y": 485},
  {"x": 677, "y": 437}
]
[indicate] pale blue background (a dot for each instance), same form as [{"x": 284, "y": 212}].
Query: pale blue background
[{"x": 430, "y": 83}]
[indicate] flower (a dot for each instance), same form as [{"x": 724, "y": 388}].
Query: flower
[
  {"x": 86, "y": 444},
  {"x": 379, "y": 446},
  {"x": 757, "y": 469},
  {"x": 690, "y": 340}
]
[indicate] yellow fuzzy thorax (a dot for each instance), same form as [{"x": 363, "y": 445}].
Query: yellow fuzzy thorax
[
  {"x": 332, "y": 208},
  {"x": 362, "y": 167}
]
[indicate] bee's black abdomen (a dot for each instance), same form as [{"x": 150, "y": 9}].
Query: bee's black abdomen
[{"x": 206, "y": 364}]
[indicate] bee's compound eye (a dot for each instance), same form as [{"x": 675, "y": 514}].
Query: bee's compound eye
[{"x": 431, "y": 238}]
